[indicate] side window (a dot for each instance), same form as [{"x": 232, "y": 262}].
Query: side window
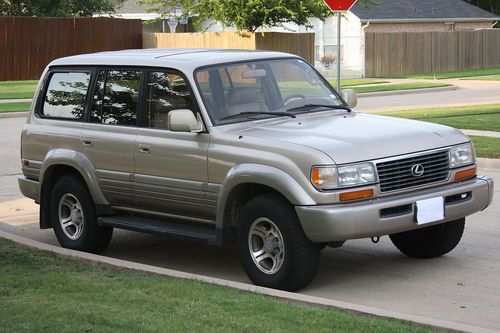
[
  {"x": 166, "y": 92},
  {"x": 116, "y": 97},
  {"x": 66, "y": 95}
]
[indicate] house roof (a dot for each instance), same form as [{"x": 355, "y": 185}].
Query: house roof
[
  {"x": 421, "y": 10},
  {"x": 131, "y": 7}
]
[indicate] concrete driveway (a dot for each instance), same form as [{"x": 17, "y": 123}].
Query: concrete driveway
[{"x": 462, "y": 287}]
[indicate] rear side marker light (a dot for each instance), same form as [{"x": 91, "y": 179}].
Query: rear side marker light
[
  {"x": 26, "y": 163},
  {"x": 356, "y": 195},
  {"x": 465, "y": 174}
]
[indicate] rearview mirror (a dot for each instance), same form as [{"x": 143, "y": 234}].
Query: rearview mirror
[
  {"x": 254, "y": 74},
  {"x": 184, "y": 121},
  {"x": 350, "y": 97}
]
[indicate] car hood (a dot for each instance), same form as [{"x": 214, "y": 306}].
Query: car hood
[{"x": 354, "y": 137}]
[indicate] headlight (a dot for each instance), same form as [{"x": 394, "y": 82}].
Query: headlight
[
  {"x": 327, "y": 178},
  {"x": 462, "y": 155}
]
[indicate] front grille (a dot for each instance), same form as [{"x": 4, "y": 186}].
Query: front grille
[{"x": 397, "y": 174}]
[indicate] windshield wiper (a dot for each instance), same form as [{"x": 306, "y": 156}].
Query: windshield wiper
[
  {"x": 310, "y": 106},
  {"x": 247, "y": 114}
]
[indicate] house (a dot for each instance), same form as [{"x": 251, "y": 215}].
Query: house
[{"x": 394, "y": 16}]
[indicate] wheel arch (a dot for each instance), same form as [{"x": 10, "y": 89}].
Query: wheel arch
[{"x": 245, "y": 181}]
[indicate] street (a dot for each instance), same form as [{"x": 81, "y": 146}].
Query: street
[{"x": 461, "y": 287}]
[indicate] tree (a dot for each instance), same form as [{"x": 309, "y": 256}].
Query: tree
[
  {"x": 248, "y": 15},
  {"x": 489, "y": 5},
  {"x": 57, "y": 7}
]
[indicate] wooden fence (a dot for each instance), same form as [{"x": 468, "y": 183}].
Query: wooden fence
[
  {"x": 299, "y": 44},
  {"x": 394, "y": 54},
  {"x": 28, "y": 44}
]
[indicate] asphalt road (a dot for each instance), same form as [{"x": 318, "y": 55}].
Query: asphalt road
[{"x": 462, "y": 287}]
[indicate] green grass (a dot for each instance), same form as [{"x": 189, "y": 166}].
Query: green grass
[
  {"x": 457, "y": 74},
  {"x": 484, "y": 78},
  {"x": 399, "y": 86},
  {"x": 15, "y": 107},
  {"x": 486, "y": 147},
  {"x": 17, "y": 89},
  {"x": 44, "y": 292},
  {"x": 480, "y": 117}
]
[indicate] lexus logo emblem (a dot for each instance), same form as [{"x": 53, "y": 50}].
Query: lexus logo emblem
[{"x": 417, "y": 170}]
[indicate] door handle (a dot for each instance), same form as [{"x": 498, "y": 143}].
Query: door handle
[
  {"x": 87, "y": 142},
  {"x": 145, "y": 149}
]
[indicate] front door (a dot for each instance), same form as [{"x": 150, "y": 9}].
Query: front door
[{"x": 170, "y": 167}]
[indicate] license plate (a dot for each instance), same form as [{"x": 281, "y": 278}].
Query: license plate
[{"x": 430, "y": 210}]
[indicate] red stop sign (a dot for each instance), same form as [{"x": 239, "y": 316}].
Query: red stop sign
[{"x": 340, "y": 5}]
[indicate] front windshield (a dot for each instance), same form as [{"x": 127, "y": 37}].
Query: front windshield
[{"x": 252, "y": 90}]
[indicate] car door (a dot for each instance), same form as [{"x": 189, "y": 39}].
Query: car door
[
  {"x": 170, "y": 167},
  {"x": 108, "y": 137}
]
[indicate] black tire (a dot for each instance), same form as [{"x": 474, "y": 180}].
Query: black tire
[
  {"x": 430, "y": 242},
  {"x": 301, "y": 257},
  {"x": 92, "y": 237}
]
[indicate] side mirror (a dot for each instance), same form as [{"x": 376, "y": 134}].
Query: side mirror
[
  {"x": 350, "y": 97},
  {"x": 184, "y": 121}
]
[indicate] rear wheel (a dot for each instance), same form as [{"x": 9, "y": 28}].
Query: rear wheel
[
  {"x": 430, "y": 242},
  {"x": 74, "y": 218},
  {"x": 274, "y": 250}
]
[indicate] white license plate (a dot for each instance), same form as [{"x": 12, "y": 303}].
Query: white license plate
[{"x": 430, "y": 210}]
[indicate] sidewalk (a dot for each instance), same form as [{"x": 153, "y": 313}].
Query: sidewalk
[
  {"x": 490, "y": 134},
  {"x": 25, "y": 100}
]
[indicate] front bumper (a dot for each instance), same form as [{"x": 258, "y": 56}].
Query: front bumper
[{"x": 341, "y": 222}]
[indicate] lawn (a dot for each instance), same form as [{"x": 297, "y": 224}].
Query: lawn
[
  {"x": 480, "y": 117},
  {"x": 360, "y": 82},
  {"x": 484, "y": 78},
  {"x": 486, "y": 147},
  {"x": 457, "y": 74},
  {"x": 398, "y": 86},
  {"x": 41, "y": 291},
  {"x": 17, "y": 89},
  {"x": 15, "y": 107}
]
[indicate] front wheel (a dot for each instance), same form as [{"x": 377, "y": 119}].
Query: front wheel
[
  {"x": 273, "y": 248},
  {"x": 430, "y": 242}
]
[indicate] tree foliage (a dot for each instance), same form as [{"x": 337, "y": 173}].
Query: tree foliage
[
  {"x": 57, "y": 7},
  {"x": 489, "y": 5},
  {"x": 248, "y": 15}
]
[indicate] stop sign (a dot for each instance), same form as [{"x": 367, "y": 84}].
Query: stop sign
[{"x": 340, "y": 5}]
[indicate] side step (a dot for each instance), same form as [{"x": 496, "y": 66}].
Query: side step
[{"x": 160, "y": 227}]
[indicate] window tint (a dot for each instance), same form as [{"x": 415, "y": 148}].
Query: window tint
[
  {"x": 166, "y": 92},
  {"x": 66, "y": 95},
  {"x": 116, "y": 97}
]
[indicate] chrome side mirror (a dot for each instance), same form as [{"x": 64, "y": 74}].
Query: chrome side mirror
[
  {"x": 184, "y": 121},
  {"x": 350, "y": 97}
]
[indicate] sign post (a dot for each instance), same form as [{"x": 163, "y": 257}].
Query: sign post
[{"x": 339, "y": 7}]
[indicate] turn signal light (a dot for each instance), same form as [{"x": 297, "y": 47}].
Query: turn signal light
[
  {"x": 465, "y": 174},
  {"x": 356, "y": 195}
]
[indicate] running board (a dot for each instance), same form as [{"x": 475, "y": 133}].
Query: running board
[{"x": 160, "y": 227}]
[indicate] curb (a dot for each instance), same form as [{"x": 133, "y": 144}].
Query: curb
[
  {"x": 4, "y": 115},
  {"x": 283, "y": 295},
  {"x": 407, "y": 92}
]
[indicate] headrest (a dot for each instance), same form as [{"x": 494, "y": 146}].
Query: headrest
[{"x": 242, "y": 96}]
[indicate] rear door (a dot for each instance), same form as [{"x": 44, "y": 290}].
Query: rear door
[
  {"x": 170, "y": 167},
  {"x": 108, "y": 137}
]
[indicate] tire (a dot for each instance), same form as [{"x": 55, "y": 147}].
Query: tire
[
  {"x": 289, "y": 260},
  {"x": 72, "y": 204},
  {"x": 430, "y": 242}
]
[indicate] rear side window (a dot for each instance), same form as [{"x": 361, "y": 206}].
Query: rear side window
[
  {"x": 65, "y": 97},
  {"x": 116, "y": 97}
]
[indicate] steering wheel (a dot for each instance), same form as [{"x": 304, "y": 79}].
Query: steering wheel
[{"x": 292, "y": 96}]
